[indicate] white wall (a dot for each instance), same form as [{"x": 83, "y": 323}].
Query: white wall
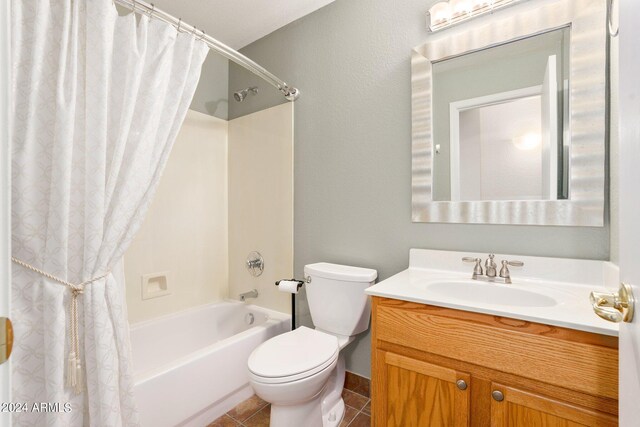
[
  {"x": 614, "y": 143},
  {"x": 509, "y": 172},
  {"x": 261, "y": 202},
  {"x": 492, "y": 167},
  {"x": 185, "y": 232}
]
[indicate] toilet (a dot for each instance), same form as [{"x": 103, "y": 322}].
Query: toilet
[{"x": 301, "y": 373}]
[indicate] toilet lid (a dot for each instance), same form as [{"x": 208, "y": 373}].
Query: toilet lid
[{"x": 293, "y": 353}]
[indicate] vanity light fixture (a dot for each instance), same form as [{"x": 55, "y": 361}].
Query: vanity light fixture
[{"x": 445, "y": 14}]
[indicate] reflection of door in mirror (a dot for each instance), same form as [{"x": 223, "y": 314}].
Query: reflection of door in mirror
[
  {"x": 549, "y": 134},
  {"x": 503, "y": 139}
]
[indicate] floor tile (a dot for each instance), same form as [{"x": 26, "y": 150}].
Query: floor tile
[
  {"x": 361, "y": 420},
  {"x": 261, "y": 419},
  {"x": 351, "y": 381},
  {"x": 224, "y": 421},
  {"x": 349, "y": 414},
  {"x": 354, "y": 400},
  {"x": 357, "y": 384},
  {"x": 367, "y": 408},
  {"x": 364, "y": 389},
  {"x": 247, "y": 408}
]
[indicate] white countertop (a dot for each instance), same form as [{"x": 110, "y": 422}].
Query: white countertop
[{"x": 570, "y": 309}]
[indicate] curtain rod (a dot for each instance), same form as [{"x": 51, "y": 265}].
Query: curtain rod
[{"x": 289, "y": 92}]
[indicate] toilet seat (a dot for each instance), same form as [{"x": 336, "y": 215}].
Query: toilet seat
[{"x": 292, "y": 356}]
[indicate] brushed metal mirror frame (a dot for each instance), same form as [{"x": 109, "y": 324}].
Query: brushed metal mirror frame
[{"x": 587, "y": 103}]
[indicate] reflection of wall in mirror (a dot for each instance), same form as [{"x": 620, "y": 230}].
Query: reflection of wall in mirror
[{"x": 500, "y": 151}]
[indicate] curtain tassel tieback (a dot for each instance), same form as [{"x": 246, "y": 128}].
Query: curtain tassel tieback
[{"x": 74, "y": 363}]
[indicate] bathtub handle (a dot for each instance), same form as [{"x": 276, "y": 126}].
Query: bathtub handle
[{"x": 255, "y": 263}]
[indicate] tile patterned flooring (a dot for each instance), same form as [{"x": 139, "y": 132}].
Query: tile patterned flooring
[{"x": 255, "y": 412}]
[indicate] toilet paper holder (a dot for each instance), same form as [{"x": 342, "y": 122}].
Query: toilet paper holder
[
  {"x": 293, "y": 297},
  {"x": 299, "y": 282}
]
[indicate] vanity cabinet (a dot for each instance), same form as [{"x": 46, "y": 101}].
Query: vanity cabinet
[
  {"x": 434, "y": 366},
  {"x": 522, "y": 408},
  {"x": 423, "y": 394}
]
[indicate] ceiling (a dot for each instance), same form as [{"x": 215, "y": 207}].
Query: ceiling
[{"x": 238, "y": 23}]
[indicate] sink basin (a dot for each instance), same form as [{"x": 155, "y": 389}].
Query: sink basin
[
  {"x": 489, "y": 293},
  {"x": 547, "y": 291}
]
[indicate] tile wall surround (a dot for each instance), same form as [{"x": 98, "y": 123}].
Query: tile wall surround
[
  {"x": 185, "y": 232},
  {"x": 261, "y": 203},
  {"x": 227, "y": 190}
]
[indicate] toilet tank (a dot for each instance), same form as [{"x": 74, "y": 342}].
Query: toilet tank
[{"x": 336, "y": 297}]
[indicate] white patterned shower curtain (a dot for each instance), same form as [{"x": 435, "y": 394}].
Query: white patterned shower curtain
[{"x": 98, "y": 101}]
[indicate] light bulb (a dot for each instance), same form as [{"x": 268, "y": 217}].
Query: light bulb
[
  {"x": 481, "y": 4},
  {"x": 440, "y": 13},
  {"x": 460, "y": 7}
]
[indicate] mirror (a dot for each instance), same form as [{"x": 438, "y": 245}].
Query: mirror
[
  {"x": 508, "y": 118},
  {"x": 498, "y": 121}
]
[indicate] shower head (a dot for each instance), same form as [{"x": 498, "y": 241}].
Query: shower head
[{"x": 242, "y": 94}]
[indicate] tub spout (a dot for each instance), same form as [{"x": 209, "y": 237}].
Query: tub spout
[{"x": 253, "y": 293}]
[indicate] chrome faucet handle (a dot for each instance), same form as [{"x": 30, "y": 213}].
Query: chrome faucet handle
[
  {"x": 514, "y": 263},
  {"x": 490, "y": 266},
  {"x": 477, "y": 269},
  {"x": 504, "y": 271}
]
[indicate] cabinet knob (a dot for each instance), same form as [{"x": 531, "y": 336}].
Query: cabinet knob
[
  {"x": 461, "y": 384},
  {"x": 497, "y": 395}
]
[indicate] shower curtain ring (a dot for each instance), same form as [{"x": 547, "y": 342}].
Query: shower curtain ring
[
  {"x": 202, "y": 35},
  {"x": 133, "y": 6},
  {"x": 153, "y": 8},
  {"x": 179, "y": 24}
]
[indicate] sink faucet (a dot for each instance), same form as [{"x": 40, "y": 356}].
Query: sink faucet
[
  {"x": 490, "y": 266},
  {"x": 253, "y": 293},
  {"x": 477, "y": 269},
  {"x": 504, "y": 271},
  {"x": 490, "y": 269}
]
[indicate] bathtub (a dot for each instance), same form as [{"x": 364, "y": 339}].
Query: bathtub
[{"x": 191, "y": 367}]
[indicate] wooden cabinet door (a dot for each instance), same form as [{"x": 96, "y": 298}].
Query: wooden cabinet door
[
  {"x": 524, "y": 409},
  {"x": 413, "y": 393}
]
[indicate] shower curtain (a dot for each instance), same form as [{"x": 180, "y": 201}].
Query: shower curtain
[{"x": 98, "y": 101}]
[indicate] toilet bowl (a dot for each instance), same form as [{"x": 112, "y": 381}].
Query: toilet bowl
[
  {"x": 292, "y": 371},
  {"x": 301, "y": 373}
]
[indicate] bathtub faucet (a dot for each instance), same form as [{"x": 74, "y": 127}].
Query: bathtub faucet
[{"x": 253, "y": 293}]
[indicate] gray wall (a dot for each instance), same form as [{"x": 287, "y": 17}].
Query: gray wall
[
  {"x": 211, "y": 94},
  {"x": 352, "y": 125}
]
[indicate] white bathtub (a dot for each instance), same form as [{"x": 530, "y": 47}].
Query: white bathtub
[{"x": 191, "y": 367}]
